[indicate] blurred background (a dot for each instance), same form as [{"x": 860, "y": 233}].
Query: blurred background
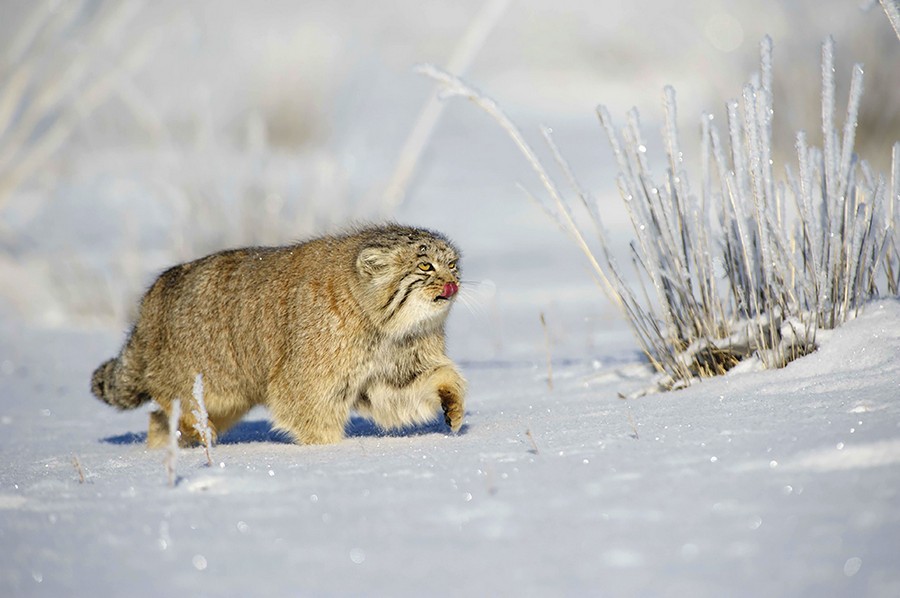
[{"x": 137, "y": 134}]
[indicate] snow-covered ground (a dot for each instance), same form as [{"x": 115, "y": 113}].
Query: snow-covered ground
[{"x": 779, "y": 483}]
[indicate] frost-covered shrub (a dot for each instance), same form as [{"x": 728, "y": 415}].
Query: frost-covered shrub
[
  {"x": 160, "y": 165},
  {"x": 55, "y": 71},
  {"x": 798, "y": 252},
  {"x": 746, "y": 260}
]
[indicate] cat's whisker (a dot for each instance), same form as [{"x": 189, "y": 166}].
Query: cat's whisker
[{"x": 475, "y": 296}]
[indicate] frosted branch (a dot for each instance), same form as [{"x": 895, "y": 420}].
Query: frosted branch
[
  {"x": 460, "y": 60},
  {"x": 201, "y": 418},
  {"x": 171, "y": 459},
  {"x": 454, "y": 86},
  {"x": 892, "y": 10}
]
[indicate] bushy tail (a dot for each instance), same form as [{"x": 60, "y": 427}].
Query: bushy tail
[{"x": 106, "y": 384}]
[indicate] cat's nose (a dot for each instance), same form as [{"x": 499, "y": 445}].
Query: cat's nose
[{"x": 450, "y": 289}]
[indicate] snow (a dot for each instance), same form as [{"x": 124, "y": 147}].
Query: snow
[
  {"x": 771, "y": 483},
  {"x": 759, "y": 483}
]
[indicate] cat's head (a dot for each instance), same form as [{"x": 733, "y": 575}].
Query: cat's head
[{"x": 411, "y": 277}]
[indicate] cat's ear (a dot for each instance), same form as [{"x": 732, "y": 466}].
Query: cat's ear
[{"x": 372, "y": 260}]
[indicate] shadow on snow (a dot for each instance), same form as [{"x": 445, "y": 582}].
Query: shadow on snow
[{"x": 261, "y": 430}]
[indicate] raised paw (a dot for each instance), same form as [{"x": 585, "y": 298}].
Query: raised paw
[{"x": 453, "y": 407}]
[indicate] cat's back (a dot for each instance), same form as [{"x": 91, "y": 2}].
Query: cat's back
[{"x": 254, "y": 274}]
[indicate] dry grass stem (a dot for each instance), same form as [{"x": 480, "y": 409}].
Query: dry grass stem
[
  {"x": 201, "y": 418},
  {"x": 549, "y": 354},
  {"x": 171, "y": 459},
  {"x": 460, "y": 60},
  {"x": 634, "y": 430},
  {"x": 78, "y": 469},
  {"x": 892, "y": 10}
]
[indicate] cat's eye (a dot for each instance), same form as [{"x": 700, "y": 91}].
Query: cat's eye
[
  {"x": 452, "y": 265},
  {"x": 426, "y": 267}
]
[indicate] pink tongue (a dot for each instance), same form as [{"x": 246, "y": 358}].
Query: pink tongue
[{"x": 450, "y": 289}]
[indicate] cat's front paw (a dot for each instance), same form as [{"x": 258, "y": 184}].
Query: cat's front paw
[{"x": 453, "y": 406}]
